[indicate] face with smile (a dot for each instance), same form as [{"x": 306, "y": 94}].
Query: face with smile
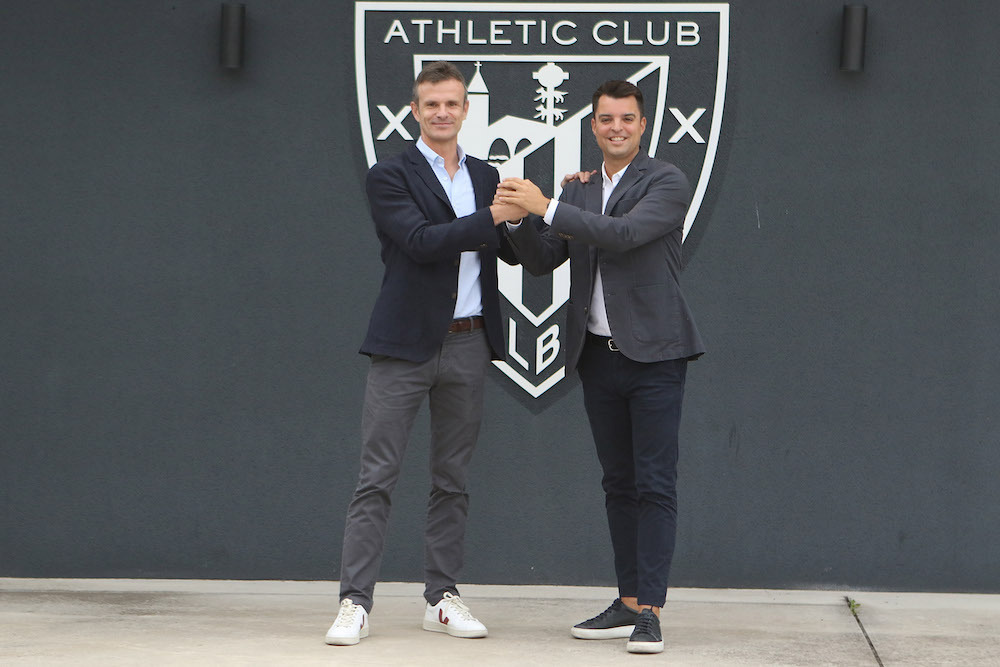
[
  {"x": 618, "y": 125},
  {"x": 440, "y": 109}
]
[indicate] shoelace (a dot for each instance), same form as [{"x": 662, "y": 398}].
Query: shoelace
[
  {"x": 458, "y": 608},
  {"x": 645, "y": 623},
  {"x": 345, "y": 618},
  {"x": 604, "y": 614}
]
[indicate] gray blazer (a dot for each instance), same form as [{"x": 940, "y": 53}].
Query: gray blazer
[{"x": 638, "y": 247}]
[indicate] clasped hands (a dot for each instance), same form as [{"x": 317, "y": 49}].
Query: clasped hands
[{"x": 525, "y": 196}]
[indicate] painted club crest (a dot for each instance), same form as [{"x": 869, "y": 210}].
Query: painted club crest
[{"x": 531, "y": 70}]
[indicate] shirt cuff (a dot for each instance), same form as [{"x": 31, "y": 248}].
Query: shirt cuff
[
  {"x": 514, "y": 225},
  {"x": 550, "y": 212}
]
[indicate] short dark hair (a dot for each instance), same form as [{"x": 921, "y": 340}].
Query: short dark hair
[
  {"x": 619, "y": 90},
  {"x": 436, "y": 72}
]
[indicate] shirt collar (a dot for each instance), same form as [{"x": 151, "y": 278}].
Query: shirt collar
[
  {"x": 615, "y": 177},
  {"x": 433, "y": 157}
]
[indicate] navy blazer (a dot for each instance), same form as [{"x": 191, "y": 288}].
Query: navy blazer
[
  {"x": 638, "y": 247},
  {"x": 422, "y": 240}
]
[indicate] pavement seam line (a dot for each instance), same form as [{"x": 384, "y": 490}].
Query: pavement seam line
[{"x": 853, "y": 605}]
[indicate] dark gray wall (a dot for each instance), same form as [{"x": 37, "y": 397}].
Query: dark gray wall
[{"x": 187, "y": 265}]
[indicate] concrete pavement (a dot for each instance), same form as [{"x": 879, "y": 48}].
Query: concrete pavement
[{"x": 112, "y": 622}]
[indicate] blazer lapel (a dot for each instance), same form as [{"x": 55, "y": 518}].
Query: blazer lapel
[
  {"x": 480, "y": 183},
  {"x": 631, "y": 176},
  {"x": 426, "y": 174}
]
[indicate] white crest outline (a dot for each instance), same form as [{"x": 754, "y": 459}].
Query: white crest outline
[
  {"x": 722, "y": 9},
  {"x": 511, "y": 278}
]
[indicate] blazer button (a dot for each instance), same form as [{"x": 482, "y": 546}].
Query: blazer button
[
  {"x": 457, "y": 262},
  {"x": 454, "y": 295}
]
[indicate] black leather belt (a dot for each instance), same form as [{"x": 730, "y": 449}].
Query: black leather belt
[
  {"x": 466, "y": 324},
  {"x": 602, "y": 340}
]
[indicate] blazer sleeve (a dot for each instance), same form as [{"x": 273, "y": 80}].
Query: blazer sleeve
[
  {"x": 537, "y": 248},
  {"x": 653, "y": 207},
  {"x": 398, "y": 215},
  {"x": 506, "y": 250}
]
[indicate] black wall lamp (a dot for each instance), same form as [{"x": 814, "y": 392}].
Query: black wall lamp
[
  {"x": 852, "y": 44},
  {"x": 231, "y": 37}
]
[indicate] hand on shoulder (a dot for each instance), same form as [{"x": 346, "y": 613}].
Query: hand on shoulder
[{"x": 582, "y": 176}]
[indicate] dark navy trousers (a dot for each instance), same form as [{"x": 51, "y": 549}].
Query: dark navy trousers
[{"x": 635, "y": 412}]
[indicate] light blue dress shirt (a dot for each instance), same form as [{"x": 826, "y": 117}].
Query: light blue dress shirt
[{"x": 463, "y": 202}]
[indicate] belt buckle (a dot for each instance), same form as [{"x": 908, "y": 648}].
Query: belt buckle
[{"x": 612, "y": 346}]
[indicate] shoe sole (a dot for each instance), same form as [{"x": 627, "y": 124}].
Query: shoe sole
[
  {"x": 644, "y": 647},
  {"x": 434, "y": 626},
  {"x": 346, "y": 641},
  {"x": 620, "y": 632}
]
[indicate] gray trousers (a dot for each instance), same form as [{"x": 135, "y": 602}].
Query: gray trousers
[{"x": 453, "y": 380}]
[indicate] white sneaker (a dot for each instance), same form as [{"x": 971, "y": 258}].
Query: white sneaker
[
  {"x": 451, "y": 615},
  {"x": 351, "y": 625}
]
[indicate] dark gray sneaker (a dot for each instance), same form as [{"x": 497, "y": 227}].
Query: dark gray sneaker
[
  {"x": 646, "y": 637},
  {"x": 615, "y": 622}
]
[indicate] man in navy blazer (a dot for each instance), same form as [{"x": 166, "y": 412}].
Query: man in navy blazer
[
  {"x": 630, "y": 334},
  {"x": 433, "y": 331}
]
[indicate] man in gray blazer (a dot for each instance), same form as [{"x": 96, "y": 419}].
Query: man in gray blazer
[{"x": 630, "y": 334}]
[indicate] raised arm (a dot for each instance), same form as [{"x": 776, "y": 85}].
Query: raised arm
[
  {"x": 653, "y": 207},
  {"x": 398, "y": 215}
]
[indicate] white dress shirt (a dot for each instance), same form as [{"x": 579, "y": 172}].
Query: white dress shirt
[{"x": 597, "y": 320}]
